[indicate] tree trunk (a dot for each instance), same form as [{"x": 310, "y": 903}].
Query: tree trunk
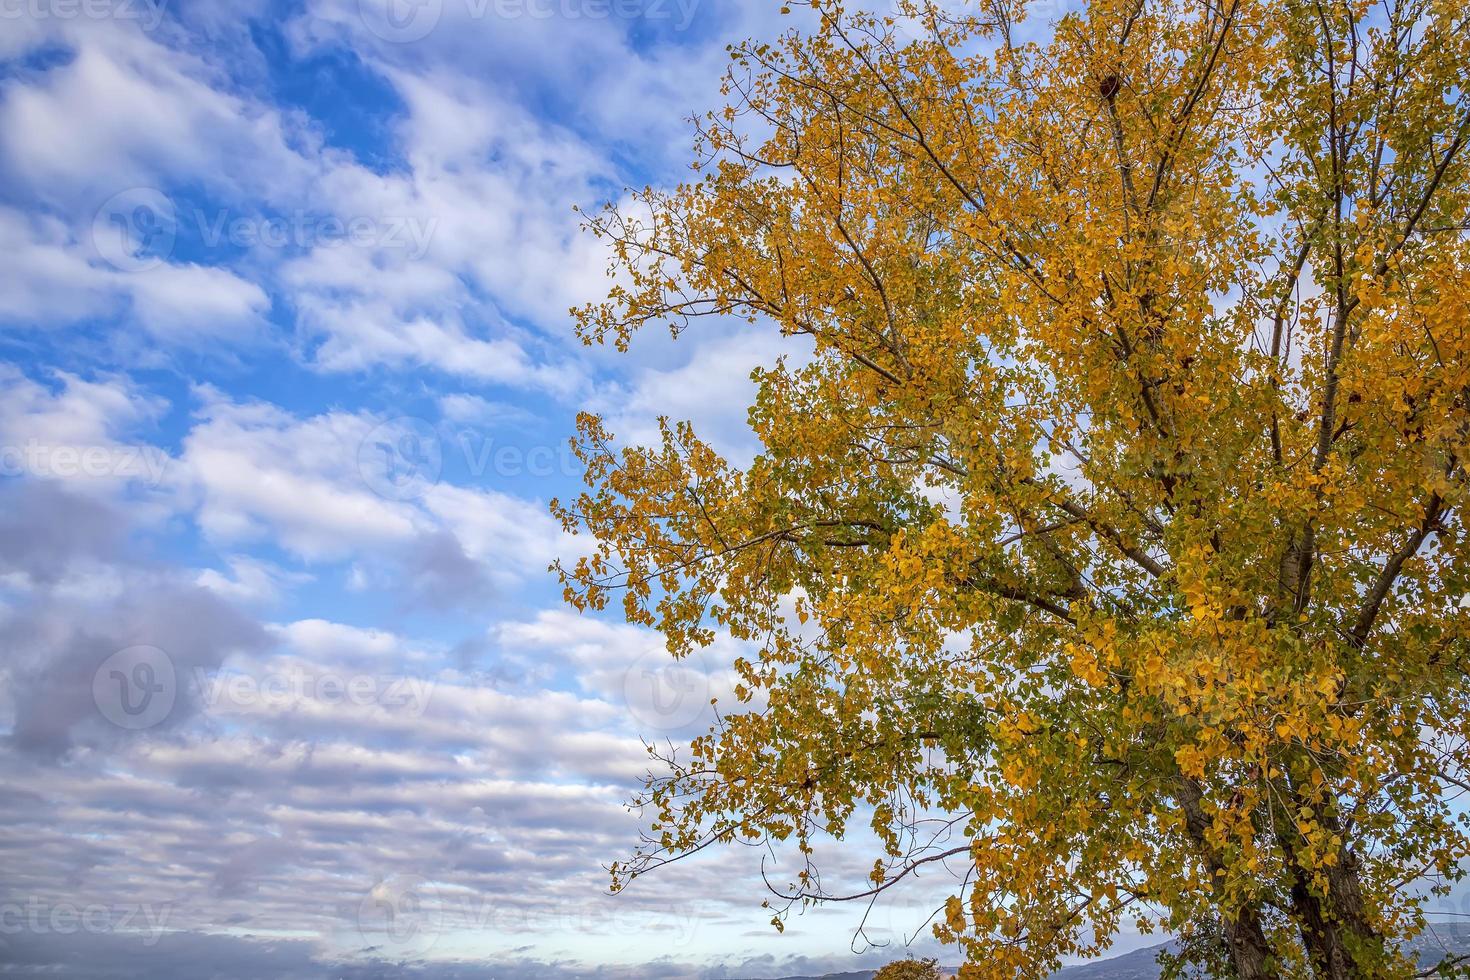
[
  {"x": 1335, "y": 931},
  {"x": 1249, "y": 952},
  {"x": 1245, "y": 940}
]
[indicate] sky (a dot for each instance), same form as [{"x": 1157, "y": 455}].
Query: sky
[{"x": 286, "y": 384}]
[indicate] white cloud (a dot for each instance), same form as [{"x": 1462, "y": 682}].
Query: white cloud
[
  {"x": 517, "y": 534},
  {"x": 711, "y": 388},
  {"x": 324, "y": 640},
  {"x": 492, "y": 187},
  {"x": 250, "y": 580},
  {"x": 358, "y": 334},
  {"x": 79, "y": 412},
  {"x": 46, "y": 279},
  {"x": 51, "y": 278},
  {"x": 256, "y": 469},
  {"x": 473, "y": 410},
  {"x": 188, "y": 301},
  {"x": 631, "y": 667},
  {"x": 255, "y": 472},
  {"x": 129, "y": 111},
  {"x": 80, "y": 432}
]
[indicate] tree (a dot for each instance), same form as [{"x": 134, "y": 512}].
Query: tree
[
  {"x": 1109, "y": 505},
  {"x": 908, "y": 970}
]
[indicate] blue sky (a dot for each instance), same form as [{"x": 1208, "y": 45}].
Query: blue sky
[{"x": 286, "y": 385}]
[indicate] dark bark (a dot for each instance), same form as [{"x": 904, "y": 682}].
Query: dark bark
[
  {"x": 1334, "y": 928},
  {"x": 1245, "y": 941}
]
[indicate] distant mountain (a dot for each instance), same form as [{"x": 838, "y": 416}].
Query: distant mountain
[
  {"x": 1142, "y": 964},
  {"x": 1137, "y": 965}
]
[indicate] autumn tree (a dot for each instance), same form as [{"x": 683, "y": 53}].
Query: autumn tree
[
  {"x": 1109, "y": 504},
  {"x": 908, "y": 970}
]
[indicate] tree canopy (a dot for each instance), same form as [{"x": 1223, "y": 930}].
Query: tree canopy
[
  {"x": 1108, "y": 512},
  {"x": 908, "y": 970}
]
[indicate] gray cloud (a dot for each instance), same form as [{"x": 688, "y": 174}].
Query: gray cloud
[
  {"x": 57, "y": 642},
  {"x": 441, "y": 575},
  {"x": 278, "y": 818},
  {"x": 45, "y": 530},
  {"x": 84, "y": 956}
]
